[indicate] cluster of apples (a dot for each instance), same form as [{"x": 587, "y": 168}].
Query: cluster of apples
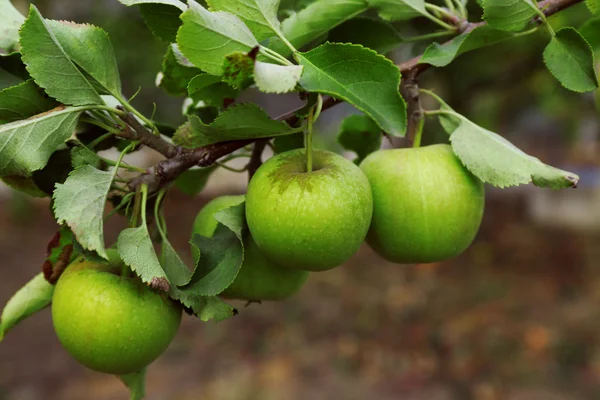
[
  {"x": 415, "y": 205},
  {"x": 411, "y": 205}
]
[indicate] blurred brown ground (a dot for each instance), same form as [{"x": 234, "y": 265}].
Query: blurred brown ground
[{"x": 515, "y": 317}]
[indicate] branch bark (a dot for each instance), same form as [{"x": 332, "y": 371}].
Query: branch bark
[
  {"x": 256, "y": 158},
  {"x": 414, "y": 112},
  {"x": 550, "y": 7},
  {"x": 180, "y": 160},
  {"x": 134, "y": 130}
]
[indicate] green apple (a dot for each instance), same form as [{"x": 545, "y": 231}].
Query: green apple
[
  {"x": 259, "y": 278},
  {"x": 309, "y": 220},
  {"x": 427, "y": 206},
  {"x": 111, "y": 323}
]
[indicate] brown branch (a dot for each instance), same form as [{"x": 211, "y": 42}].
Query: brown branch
[
  {"x": 256, "y": 158},
  {"x": 134, "y": 130},
  {"x": 168, "y": 170},
  {"x": 414, "y": 112},
  {"x": 550, "y": 7},
  {"x": 179, "y": 160}
]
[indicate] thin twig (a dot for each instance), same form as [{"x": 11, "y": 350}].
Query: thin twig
[
  {"x": 256, "y": 158},
  {"x": 168, "y": 170},
  {"x": 134, "y": 130},
  {"x": 550, "y": 7},
  {"x": 410, "y": 92}
]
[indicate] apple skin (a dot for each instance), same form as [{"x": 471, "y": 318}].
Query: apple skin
[
  {"x": 427, "y": 206},
  {"x": 258, "y": 279},
  {"x": 109, "y": 323},
  {"x": 310, "y": 221}
]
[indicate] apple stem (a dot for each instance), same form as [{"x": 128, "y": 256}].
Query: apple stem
[
  {"x": 136, "y": 208},
  {"x": 418, "y": 133},
  {"x": 125, "y": 270},
  {"x": 308, "y": 142}
]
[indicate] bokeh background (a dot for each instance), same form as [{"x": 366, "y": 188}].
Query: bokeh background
[{"x": 517, "y": 316}]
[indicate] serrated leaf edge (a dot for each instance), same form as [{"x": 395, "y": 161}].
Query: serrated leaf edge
[
  {"x": 381, "y": 56},
  {"x": 593, "y": 62},
  {"x": 53, "y": 37}
]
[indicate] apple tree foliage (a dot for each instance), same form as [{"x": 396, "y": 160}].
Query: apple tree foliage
[{"x": 61, "y": 102}]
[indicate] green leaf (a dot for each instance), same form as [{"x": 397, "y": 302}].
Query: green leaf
[
  {"x": 271, "y": 78},
  {"x": 399, "y": 10},
  {"x": 441, "y": 55},
  {"x": 206, "y": 113},
  {"x": 448, "y": 122},
  {"x": 242, "y": 121},
  {"x": 569, "y": 57},
  {"x": 31, "y": 298},
  {"x": 220, "y": 256},
  {"x": 176, "y": 270},
  {"x": 23, "y": 101},
  {"x": 205, "y": 307},
  {"x": 88, "y": 255},
  {"x": 361, "y": 135},
  {"x": 13, "y": 65},
  {"x": 7, "y": 80},
  {"x": 136, "y": 383},
  {"x": 238, "y": 69},
  {"x": 591, "y": 32},
  {"x": 193, "y": 181},
  {"x": 10, "y": 21},
  {"x": 50, "y": 66},
  {"x": 23, "y": 185},
  {"x": 79, "y": 202},
  {"x": 509, "y": 15},
  {"x": 234, "y": 218},
  {"x": 81, "y": 155},
  {"x": 161, "y": 16},
  {"x": 359, "y": 76},
  {"x": 89, "y": 48},
  {"x": 315, "y": 21},
  {"x": 162, "y": 20},
  {"x": 175, "y": 3},
  {"x": 212, "y": 307},
  {"x": 12, "y": 70},
  {"x": 211, "y": 90},
  {"x": 51, "y": 128},
  {"x": 175, "y": 77},
  {"x": 285, "y": 143},
  {"x": 56, "y": 246},
  {"x": 311, "y": 102},
  {"x": 56, "y": 170},
  {"x": 205, "y": 38},
  {"x": 259, "y": 15},
  {"x": 137, "y": 251},
  {"x": 495, "y": 160},
  {"x": 593, "y": 5},
  {"x": 369, "y": 32}
]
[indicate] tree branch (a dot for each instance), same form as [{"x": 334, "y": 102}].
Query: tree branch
[
  {"x": 134, "y": 130},
  {"x": 256, "y": 158},
  {"x": 168, "y": 170},
  {"x": 179, "y": 159},
  {"x": 410, "y": 91},
  {"x": 550, "y": 7}
]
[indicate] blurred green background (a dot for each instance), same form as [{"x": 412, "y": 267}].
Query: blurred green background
[{"x": 515, "y": 317}]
